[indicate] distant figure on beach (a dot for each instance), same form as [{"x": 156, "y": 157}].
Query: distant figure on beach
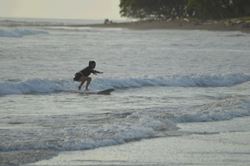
[
  {"x": 107, "y": 21},
  {"x": 83, "y": 75}
]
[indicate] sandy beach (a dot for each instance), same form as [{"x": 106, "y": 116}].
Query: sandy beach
[{"x": 213, "y": 143}]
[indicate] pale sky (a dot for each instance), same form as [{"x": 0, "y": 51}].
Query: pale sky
[{"x": 67, "y": 9}]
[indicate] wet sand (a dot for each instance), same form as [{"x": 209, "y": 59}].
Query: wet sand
[{"x": 14, "y": 158}]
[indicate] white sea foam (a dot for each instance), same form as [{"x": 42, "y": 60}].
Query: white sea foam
[
  {"x": 19, "y": 32},
  {"x": 224, "y": 109},
  {"x": 50, "y": 86},
  {"x": 58, "y": 134},
  {"x": 175, "y": 81},
  {"x": 35, "y": 86},
  {"x": 88, "y": 131}
]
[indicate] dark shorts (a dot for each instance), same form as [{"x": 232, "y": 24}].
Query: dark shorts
[{"x": 77, "y": 76}]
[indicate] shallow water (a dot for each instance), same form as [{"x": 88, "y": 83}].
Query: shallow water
[
  {"x": 223, "y": 146},
  {"x": 161, "y": 78}
]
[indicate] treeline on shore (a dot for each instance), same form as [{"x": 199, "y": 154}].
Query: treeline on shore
[{"x": 202, "y": 9}]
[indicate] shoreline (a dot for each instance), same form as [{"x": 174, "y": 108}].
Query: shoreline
[
  {"x": 181, "y": 24},
  {"x": 235, "y": 24}
]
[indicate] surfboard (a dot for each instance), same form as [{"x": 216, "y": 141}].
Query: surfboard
[{"x": 102, "y": 92}]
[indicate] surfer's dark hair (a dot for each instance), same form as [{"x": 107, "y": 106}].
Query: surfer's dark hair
[{"x": 92, "y": 63}]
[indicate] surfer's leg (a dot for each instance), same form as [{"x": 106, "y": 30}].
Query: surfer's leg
[
  {"x": 80, "y": 86},
  {"x": 83, "y": 79},
  {"x": 88, "y": 82}
]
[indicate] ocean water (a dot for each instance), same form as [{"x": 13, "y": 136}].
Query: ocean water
[{"x": 162, "y": 78}]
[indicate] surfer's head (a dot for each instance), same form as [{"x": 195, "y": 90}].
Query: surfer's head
[{"x": 92, "y": 64}]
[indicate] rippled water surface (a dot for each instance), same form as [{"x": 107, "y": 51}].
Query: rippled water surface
[{"x": 161, "y": 78}]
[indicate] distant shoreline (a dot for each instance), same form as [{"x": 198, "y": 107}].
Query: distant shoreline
[
  {"x": 236, "y": 24},
  {"x": 181, "y": 24}
]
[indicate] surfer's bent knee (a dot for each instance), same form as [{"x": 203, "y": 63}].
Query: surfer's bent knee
[{"x": 83, "y": 78}]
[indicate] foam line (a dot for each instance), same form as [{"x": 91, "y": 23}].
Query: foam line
[{"x": 51, "y": 86}]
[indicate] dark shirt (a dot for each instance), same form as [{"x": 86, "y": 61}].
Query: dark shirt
[{"x": 87, "y": 71}]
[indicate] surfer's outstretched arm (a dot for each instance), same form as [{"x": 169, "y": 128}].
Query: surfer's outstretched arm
[{"x": 97, "y": 72}]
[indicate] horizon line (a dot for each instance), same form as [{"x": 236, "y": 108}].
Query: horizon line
[{"x": 61, "y": 18}]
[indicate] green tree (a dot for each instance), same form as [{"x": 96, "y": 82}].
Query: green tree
[
  {"x": 204, "y": 9},
  {"x": 152, "y": 9},
  {"x": 218, "y": 9}
]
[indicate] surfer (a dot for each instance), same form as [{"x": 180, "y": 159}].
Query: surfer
[{"x": 83, "y": 75}]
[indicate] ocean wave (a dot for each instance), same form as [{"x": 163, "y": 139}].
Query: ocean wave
[
  {"x": 80, "y": 132},
  {"x": 93, "y": 130},
  {"x": 175, "y": 81},
  {"x": 35, "y": 86},
  {"x": 83, "y": 28},
  {"x": 89, "y": 131},
  {"x": 46, "y": 22},
  {"x": 17, "y": 33},
  {"x": 51, "y": 86},
  {"x": 224, "y": 109}
]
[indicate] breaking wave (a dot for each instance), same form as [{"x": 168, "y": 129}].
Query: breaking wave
[
  {"x": 176, "y": 81},
  {"x": 88, "y": 131},
  {"x": 81, "y": 132},
  {"x": 224, "y": 109},
  {"x": 51, "y": 86},
  {"x": 17, "y": 32}
]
